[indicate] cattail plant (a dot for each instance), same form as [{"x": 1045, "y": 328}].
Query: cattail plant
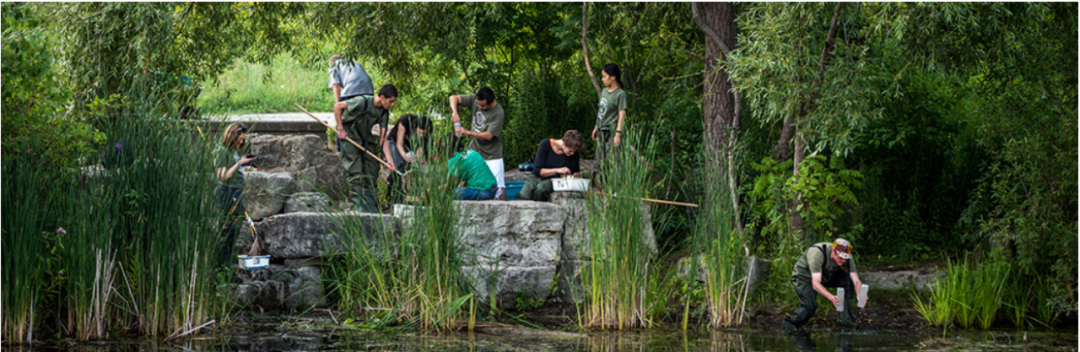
[
  {"x": 410, "y": 275},
  {"x": 28, "y": 204},
  {"x": 616, "y": 279}
]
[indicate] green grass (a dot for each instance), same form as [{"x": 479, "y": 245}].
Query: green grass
[{"x": 249, "y": 88}]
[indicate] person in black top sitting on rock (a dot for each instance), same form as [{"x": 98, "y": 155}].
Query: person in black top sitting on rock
[{"x": 554, "y": 158}]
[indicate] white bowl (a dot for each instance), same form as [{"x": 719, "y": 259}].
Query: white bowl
[{"x": 570, "y": 184}]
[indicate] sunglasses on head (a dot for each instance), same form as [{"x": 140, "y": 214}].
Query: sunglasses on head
[{"x": 243, "y": 128}]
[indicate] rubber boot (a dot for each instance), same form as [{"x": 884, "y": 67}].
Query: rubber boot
[
  {"x": 788, "y": 327},
  {"x": 845, "y": 320}
]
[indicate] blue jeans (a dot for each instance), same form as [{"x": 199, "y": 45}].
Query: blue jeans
[{"x": 465, "y": 193}]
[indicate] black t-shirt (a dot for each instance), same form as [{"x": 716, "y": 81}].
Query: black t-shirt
[
  {"x": 546, "y": 158},
  {"x": 409, "y": 123}
]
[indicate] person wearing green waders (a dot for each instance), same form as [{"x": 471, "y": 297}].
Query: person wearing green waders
[
  {"x": 611, "y": 116},
  {"x": 469, "y": 167},
  {"x": 229, "y": 160},
  {"x": 824, "y": 265},
  {"x": 355, "y": 118},
  {"x": 487, "y": 123}
]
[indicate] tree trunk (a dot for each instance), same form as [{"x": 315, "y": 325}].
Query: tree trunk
[
  {"x": 800, "y": 141},
  {"x": 720, "y": 102}
]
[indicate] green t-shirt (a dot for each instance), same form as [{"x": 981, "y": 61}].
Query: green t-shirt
[
  {"x": 486, "y": 121},
  {"x": 360, "y": 115},
  {"x": 610, "y": 105},
  {"x": 226, "y": 158},
  {"x": 470, "y": 167},
  {"x": 812, "y": 260}
]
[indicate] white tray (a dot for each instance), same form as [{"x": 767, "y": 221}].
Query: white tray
[
  {"x": 254, "y": 263},
  {"x": 570, "y": 184}
]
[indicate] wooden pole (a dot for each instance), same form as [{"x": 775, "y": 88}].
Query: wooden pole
[
  {"x": 346, "y": 138},
  {"x": 660, "y": 201}
]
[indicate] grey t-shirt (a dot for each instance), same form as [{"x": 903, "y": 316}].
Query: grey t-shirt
[
  {"x": 607, "y": 118},
  {"x": 492, "y": 121},
  {"x": 352, "y": 77}
]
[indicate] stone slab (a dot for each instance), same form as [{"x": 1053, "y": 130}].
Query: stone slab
[
  {"x": 901, "y": 280},
  {"x": 306, "y": 235},
  {"x": 509, "y": 283},
  {"x": 265, "y": 192}
]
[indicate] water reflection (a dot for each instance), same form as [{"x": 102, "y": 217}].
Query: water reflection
[{"x": 711, "y": 341}]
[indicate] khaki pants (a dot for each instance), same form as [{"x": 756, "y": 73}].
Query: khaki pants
[{"x": 536, "y": 189}]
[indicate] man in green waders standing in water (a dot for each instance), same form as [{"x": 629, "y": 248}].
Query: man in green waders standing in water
[
  {"x": 824, "y": 265},
  {"x": 355, "y": 118}
]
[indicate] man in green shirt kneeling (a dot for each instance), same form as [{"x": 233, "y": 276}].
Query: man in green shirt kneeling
[
  {"x": 824, "y": 265},
  {"x": 469, "y": 167}
]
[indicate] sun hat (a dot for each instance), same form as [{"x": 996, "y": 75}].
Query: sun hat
[{"x": 842, "y": 247}]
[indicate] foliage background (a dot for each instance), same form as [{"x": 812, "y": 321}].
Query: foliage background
[{"x": 940, "y": 129}]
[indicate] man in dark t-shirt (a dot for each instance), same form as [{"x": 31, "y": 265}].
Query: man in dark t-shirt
[{"x": 554, "y": 158}]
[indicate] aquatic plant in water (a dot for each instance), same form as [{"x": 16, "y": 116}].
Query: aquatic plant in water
[
  {"x": 413, "y": 272},
  {"x": 616, "y": 279},
  {"x": 138, "y": 230}
]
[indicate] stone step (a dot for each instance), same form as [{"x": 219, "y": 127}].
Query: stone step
[{"x": 309, "y": 235}]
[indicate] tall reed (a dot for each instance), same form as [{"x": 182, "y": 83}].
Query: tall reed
[
  {"x": 615, "y": 281},
  {"x": 27, "y": 203},
  {"x": 415, "y": 272},
  {"x": 721, "y": 246},
  {"x": 969, "y": 296},
  {"x": 139, "y": 228}
]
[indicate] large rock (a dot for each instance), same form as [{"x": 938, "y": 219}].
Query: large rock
[
  {"x": 307, "y": 235},
  {"x": 520, "y": 233},
  {"x": 757, "y": 269},
  {"x": 571, "y": 288},
  {"x": 302, "y": 285},
  {"x": 509, "y": 249},
  {"x": 575, "y": 241},
  {"x": 922, "y": 280},
  {"x": 510, "y": 283},
  {"x": 265, "y": 192},
  {"x": 264, "y": 294},
  {"x": 315, "y": 166},
  {"x": 307, "y": 202}
]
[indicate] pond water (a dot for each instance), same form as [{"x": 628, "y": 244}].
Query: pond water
[{"x": 653, "y": 340}]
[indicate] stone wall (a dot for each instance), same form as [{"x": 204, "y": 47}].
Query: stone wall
[{"x": 514, "y": 249}]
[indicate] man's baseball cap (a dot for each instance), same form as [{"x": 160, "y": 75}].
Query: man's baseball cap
[{"x": 842, "y": 247}]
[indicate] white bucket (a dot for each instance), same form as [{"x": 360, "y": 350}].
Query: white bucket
[
  {"x": 570, "y": 184},
  {"x": 254, "y": 263}
]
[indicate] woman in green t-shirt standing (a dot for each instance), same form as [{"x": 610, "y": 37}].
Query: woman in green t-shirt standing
[
  {"x": 612, "y": 112},
  {"x": 230, "y": 188}
]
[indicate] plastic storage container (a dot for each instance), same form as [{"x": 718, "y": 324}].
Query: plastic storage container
[
  {"x": 570, "y": 184},
  {"x": 254, "y": 263},
  {"x": 862, "y": 295},
  {"x": 840, "y": 294},
  {"x": 512, "y": 189}
]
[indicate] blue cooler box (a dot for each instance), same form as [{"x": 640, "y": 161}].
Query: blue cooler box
[{"x": 512, "y": 189}]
